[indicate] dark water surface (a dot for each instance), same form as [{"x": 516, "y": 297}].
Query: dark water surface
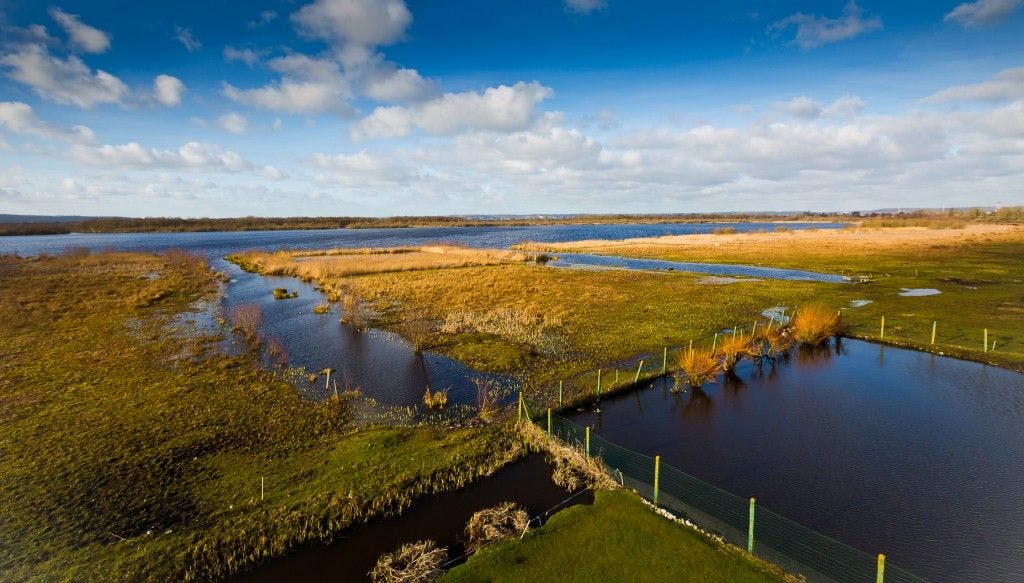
[
  {"x": 916, "y": 456},
  {"x": 439, "y": 518}
]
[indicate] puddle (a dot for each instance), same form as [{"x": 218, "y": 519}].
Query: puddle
[
  {"x": 860, "y": 303},
  {"x": 919, "y": 292},
  {"x": 717, "y": 280},
  {"x": 776, "y": 314}
]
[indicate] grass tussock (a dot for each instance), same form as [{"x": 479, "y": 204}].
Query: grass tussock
[
  {"x": 697, "y": 367},
  {"x": 815, "y": 324},
  {"x": 281, "y": 293},
  {"x": 435, "y": 399},
  {"x": 418, "y": 562},
  {"x": 492, "y": 524},
  {"x": 733, "y": 348},
  {"x": 322, "y": 309}
]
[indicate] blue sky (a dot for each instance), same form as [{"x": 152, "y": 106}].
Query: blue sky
[{"x": 384, "y": 107}]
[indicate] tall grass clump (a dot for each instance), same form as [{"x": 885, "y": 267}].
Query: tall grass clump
[
  {"x": 495, "y": 523},
  {"x": 813, "y": 325},
  {"x": 697, "y": 367},
  {"x": 435, "y": 399},
  {"x": 417, "y": 562},
  {"x": 734, "y": 348}
]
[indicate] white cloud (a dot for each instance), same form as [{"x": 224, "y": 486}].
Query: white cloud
[
  {"x": 83, "y": 36},
  {"x": 248, "y": 56},
  {"x": 585, "y": 6},
  {"x": 360, "y": 23},
  {"x": 273, "y": 173},
  {"x": 363, "y": 170},
  {"x": 982, "y": 12},
  {"x": 187, "y": 39},
  {"x": 503, "y": 109},
  {"x": 804, "y": 107},
  {"x": 18, "y": 118},
  {"x": 167, "y": 90},
  {"x": 233, "y": 122},
  {"x": 388, "y": 83},
  {"x": 845, "y": 106},
  {"x": 290, "y": 96},
  {"x": 814, "y": 31},
  {"x": 67, "y": 81},
  {"x": 1007, "y": 85},
  {"x": 193, "y": 155}
]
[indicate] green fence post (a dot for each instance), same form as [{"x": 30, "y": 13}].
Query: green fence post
[
  {"x": 549, "y": 421},
  {"x": 664, "y": 360},
  {"x": 934, "y": 324},
  {"x": 587, "y": 441},
  {"x": 638, "y": 369},
  {"x": 881, "y": 330},
  {"x": 750, "y": 528},
  {"x": 880, "y": 576},
  {"x": 598, "y": 382},
  {"x": 657, "y": 474},
  {"x": 559, "y": 394}
]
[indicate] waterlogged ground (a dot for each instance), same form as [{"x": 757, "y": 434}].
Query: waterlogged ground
[{"x": 916, "y": 456}]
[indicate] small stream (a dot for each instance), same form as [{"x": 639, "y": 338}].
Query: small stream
[{"x": 440, "y": 518}]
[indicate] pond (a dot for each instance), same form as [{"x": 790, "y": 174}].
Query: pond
[
  {"x": 917, "y": 456},
  {"x": 439, "y": 518},
  {"x": 581, "y": 260}
]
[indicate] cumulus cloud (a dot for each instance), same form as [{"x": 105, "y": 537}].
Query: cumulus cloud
[
  {"x": 503, "y": 109},
  {"x": 193, "y": 155},
  {"x": 1007, "y": 85},
  {"x": 187, "y": 39},
  {"x": 19, "y": 118},
  {"x": 982, "y": 12},
  {"x": 248, "y": 56},
  {"x": 167, "y": 90},
  {"x": 81, "y": 35},
  {"x": 291, "y": 97},
  {"x": 804, "y": 107},
  {"x": 585, "y": 6},
  {"x": 233, "y": 122},
  {"x": 814, "y": 31},
  {"x": 67, "y": 81},
  {"x": 363, "y": 170},
  {"x": 359, "y": 23}
]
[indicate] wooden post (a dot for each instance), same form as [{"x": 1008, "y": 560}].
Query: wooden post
[
  {"x": 750, "y": 528},
  {"x": 880, "y": 575},
  {"x": 986, "y": 339},
  {"x": 519, "y": 411},
  {"x": 598, "y": 382},
  {"x": 934, "y": 324},
  {"x": 328, "y": 385},
  {"x": 261, "y": 488},
  {"x": 657, "y": 474},
  {"x": 714, "y": 343},
  {"x": 549, "y": 421},
  {"x": 881, "y": 331},
  {"x": 664, "y": 360},
  {"x": 559, "y": 394},
  {"x": 616, "y": 378},
  {"x": 638, "y": 369},
  {"x": 754, "y": 329},
  {"x": 587, "y": 441},
  {"x": 691, "y": 346}
]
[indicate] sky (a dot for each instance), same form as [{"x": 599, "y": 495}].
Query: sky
[{"x": 428, "y": 107}]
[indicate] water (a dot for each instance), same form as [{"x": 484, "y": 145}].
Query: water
[
  {"x": 917, "y": 456},
  {"x": 219, "y": 244},
  {"x": 569, "y": 260},
  {"x": 440, "y": 518}
]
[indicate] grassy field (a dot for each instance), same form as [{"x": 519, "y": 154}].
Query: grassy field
[
  {"x": 977, "y": 269},
  {"x": 616, "y": 539},
  {"x": 128, "y": 452}
]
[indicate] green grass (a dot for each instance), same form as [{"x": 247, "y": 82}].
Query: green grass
[
  {"x": 128, "y": 452},
  {"x": 616, "y": 539}
]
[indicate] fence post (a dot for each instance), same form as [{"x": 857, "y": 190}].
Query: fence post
[
  {"x": 754, "y": 329},
  {"x": 750, "y": 528},
  {"x": 261, "y": 488},
  {"x": 881, "y": 331},
  {"x": 638, "y": 369},
  {"x": 519, "y": 410},
  {"x": 986, "y": 339},
  {"x": 714, "y": 343},
  {"x": 616, "y": 377},
  {"x": 934, "y": 324},
  {"x": 559, "y": 394},
  {"x": 880, "y": 576},
  {"x": 549, "y": 421},
  {"x": 664, "y": 360},
  {"x": 657, "y": 473},
  {"x": 598, "y": 382},
  {"x": 587, "y": 441}
]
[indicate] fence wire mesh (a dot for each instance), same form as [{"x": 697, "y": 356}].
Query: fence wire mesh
[{"x": 792, "y": 546}]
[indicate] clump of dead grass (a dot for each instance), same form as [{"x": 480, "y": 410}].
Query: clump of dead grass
[
  {"x": 813, "y": 325},
  {"x": 697, "y": 367},
  {"x": 435, "y": 399},
  {"x": 495, "y": 523},
  {"x": 412, "y": 563}
]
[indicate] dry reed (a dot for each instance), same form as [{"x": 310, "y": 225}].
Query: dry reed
[
  {"x": 495, "y": 523},
  {"x": 814, "y": 325},
  {"x": 413, "y": 563},
  {"x": 697, "y": 367}
]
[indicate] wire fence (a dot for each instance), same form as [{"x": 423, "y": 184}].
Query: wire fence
[{"x": 768, "y": 535}]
